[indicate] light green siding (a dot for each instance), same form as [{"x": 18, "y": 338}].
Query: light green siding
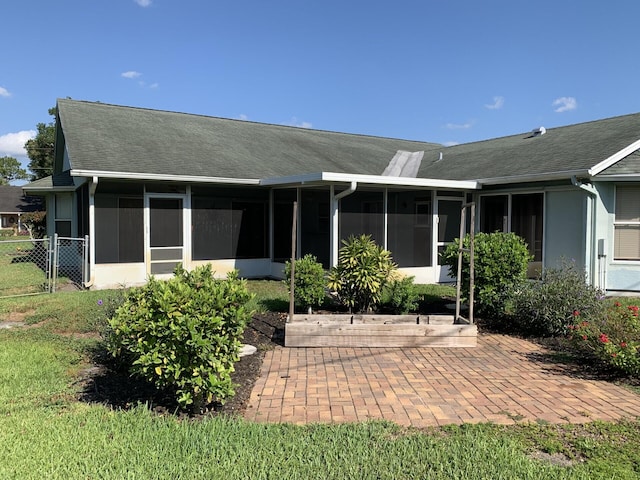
[{"x": 565, "y": 222}]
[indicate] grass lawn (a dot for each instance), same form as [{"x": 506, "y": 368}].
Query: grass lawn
[
  {"x": 19, "y": 274},
  {"x": 46, "y": 433}
]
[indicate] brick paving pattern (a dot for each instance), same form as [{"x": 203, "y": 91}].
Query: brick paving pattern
[{"x": 503, "y": 380}]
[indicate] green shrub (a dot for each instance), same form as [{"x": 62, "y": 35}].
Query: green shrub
[
  {"x": 362, "y": 271},
  {"x": 183, "y": 334},
  {"x": 309, "y": 282},
  {"x": 546, "y": 307},
  {"x": 400, "y": 296},
  {"x": 7, "y": 232},
  {"x": 614, "y": 337},
  {"x": 500, "y": 261}
]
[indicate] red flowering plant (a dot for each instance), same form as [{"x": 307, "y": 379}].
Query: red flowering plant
[{"x": 614, "y": 338}]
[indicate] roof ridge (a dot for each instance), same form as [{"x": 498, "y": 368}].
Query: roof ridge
[{"x": 254, "y": 122}]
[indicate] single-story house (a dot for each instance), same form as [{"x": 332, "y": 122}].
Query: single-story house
[
  {"x": 13, "y": 204},
  {"x": 154, "y": 188}
]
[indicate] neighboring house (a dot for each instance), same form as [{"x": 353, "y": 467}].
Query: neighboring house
[
  {"x": 13, "y": 204},
  {"x": 154, "y": 188}
]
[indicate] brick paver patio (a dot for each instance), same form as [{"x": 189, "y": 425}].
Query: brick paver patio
[{"x": 502, "y": 380}]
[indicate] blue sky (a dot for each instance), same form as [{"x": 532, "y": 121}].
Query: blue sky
[{"x": 450, "y": 71}]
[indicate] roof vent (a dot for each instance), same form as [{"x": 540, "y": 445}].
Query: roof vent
[{"x": 539, "y": 131}]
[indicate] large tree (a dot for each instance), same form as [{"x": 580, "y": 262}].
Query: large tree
[
  {"x": 11, "y": 170},
  {"x": 40, "y": 148}
]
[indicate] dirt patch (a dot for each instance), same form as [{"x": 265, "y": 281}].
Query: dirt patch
[
  {"x": 103, "y": 382},
  {"x": 16, "y": 317}
]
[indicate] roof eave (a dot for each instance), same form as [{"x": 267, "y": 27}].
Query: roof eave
[
  {"x": 539, "y": 177},
  {"x": 333, "y": 177},
  {"x": 163, "y": 177}
]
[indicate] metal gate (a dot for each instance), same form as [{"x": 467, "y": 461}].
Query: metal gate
[{"x": 47, "y": 265}]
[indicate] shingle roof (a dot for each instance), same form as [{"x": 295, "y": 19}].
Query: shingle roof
[
  {"x": 629, "y": 165},
  {"x": 57, "y": 181},
  {"x": 563, "y": 149},
  {"x": 12, "y": 200},
  {"x": 103, "y": 137}
]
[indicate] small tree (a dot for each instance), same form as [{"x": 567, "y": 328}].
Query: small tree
[
  {"x": 500, "y": 262},
  {"x": 11, "y": 170},
  {"x": 40, "y": 149},
  {"x": 309, "y": 282},
  {"x": 362, "y": 271}
]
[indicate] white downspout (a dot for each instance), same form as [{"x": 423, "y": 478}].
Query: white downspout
[
  {"x": 593, "y": 195},
  {"x": 92, "y": 232},
  {"x": 334, "y": 220}
]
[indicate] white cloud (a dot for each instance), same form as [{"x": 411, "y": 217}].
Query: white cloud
[
  {"x": 297, "y": 123},
  {"x": 498, "y": 103},
  {"x": 143, "y": 3},
  {"x": 564, "y": 104},
  {"x": 242, "y": 116},
  {"x": 459, "y": 126},
  {"x": 12, "y": 144},
  {"x": 4, "y": 92},
  {"x": 130, "y": 74}
]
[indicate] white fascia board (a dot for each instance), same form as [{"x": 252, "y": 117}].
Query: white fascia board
[
  {"x": 542, "y": 177},
  {"x": 163, "y": 177},
  {"x": 616, "y": 157},
  {"x": 330, "y": 177}
]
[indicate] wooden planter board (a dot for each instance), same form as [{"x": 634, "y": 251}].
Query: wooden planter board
[{"x": 379, "y": 331}]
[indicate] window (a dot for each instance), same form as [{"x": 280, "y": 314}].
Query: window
[
  {"x": 226, "y": 228},
  {"x": 63, "y": 209},
  {"x": 119, "y": 229},
  {"x": 521, "y": 214},
  {"x": 409, "y": 228},
  {"x": 627, "y": 223}
]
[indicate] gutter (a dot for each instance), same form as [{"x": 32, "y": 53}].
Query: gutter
[
  {"x": 334, "y": 220},
  {"x": 593, "y": 195}
]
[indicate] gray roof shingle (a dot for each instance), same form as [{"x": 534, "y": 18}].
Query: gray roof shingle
[
  {"x": 12, "y": 200},
  {"x": 563, "y": 149},
  {"x": 102, "y": 137}
]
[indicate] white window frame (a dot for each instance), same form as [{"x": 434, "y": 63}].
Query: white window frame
[{"x": 626, "y": 223}]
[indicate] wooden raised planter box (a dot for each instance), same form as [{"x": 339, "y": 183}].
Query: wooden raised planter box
[{"x": 348, "y": 330}]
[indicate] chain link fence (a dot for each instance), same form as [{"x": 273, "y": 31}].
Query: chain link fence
[{"x": 36, "y": 266}]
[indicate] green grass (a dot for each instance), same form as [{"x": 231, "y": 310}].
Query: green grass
[
  {"x": 46, "y": 433},
  {"x": 18, "y": 274}
]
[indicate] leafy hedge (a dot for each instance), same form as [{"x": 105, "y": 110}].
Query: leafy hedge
[
  {"x": 500, "y": 261},
  {"x": 183, "y": 334}
]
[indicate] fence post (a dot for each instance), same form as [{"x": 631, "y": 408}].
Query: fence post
[
  {"x": 85, "y": 260},
  {"x": 54, "y": 264}
]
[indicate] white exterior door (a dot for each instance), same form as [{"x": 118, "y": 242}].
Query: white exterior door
[{"x": 165, "y": 233}]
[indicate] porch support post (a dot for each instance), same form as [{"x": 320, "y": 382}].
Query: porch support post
[{"x": 93, "y": 185}]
